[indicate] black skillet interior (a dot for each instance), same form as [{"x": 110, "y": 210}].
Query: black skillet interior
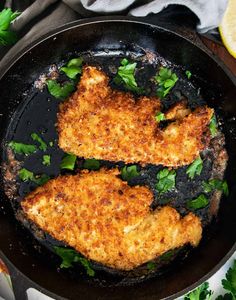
[{"x": 107, "y": 42}]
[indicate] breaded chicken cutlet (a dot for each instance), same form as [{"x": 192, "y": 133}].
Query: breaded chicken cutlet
[
  {"x": 107, "y": 220},
  {"x": 102, "y": 123}
]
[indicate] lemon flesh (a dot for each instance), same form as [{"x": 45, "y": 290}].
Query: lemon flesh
[{"x": 227, "y": 28}]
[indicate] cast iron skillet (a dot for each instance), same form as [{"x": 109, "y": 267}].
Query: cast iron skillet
[{"x": 118, "y": 35}]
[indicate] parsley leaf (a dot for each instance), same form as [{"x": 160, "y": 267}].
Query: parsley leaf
[
  {"x": 60, "y": 91},
  {"x": 166, "y": 180},
  {"x": 26, "y": 175},
  {"x": 41, "y": 179},
  {"x": 46, "y": 160},
  {"x": 70, "y": 256},
  {"x": 125, "y": 76},
  {"x": 91, "y": 164},
  {"x": 200, "y": 202},
  {"x": 195, "y": 168},
  {"x": 229, "y": 283},
  {"x": 7, "y": 37},
  {"x": 188, "y": 74},
  {"x": 68, "y": 162},
  {"x": 73, "y": 67},
  {"x": 216, "y": 184},
  {"x": 160, "y": 117},
  {"x": 151, "y": 265},
  {"x": 127, "y": 173},
  {"x": 213, "y": 126},
  {"x": 21, "y": 148},
  {"x": 166, "y": 80},
  {"x": 37, "y": 138},
  {"x": 200, "y": 293}
]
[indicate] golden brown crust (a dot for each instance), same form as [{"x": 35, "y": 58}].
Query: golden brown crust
[
  {"x": 108, "y": 221},
  {"x": 98, "y": 122}
]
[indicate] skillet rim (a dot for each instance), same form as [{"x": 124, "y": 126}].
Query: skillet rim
[{"x": 123, "y": 19}]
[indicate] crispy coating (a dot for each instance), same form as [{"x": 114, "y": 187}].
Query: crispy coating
[
  {"x": 98, "y": 122},
  {"x": 107, "y": 220}
]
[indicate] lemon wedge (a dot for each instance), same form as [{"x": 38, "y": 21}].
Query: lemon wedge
[{"x": 227, "y": 28}]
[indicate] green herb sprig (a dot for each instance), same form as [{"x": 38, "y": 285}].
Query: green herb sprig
[
  {"x": 70, "y": 256},
  {"x": 68, "y": 162},
  {"x": 26, "y": 175},
  {"x": 126, "y": 76},
  {"x": 91, "y": 164},
  {"x": 128, "y": 173},
  {"x": 7, "y": 37},
  {"x": 73, "y": 67},
  {"x": 166, "y": 80},
  {"x": 216, "y": 184},
  {"x": 200, "y": 202},
  {"x": 21, "y": 148},
  {"x": 195, "y": 168},
  {"x": 165, "y": 180}
]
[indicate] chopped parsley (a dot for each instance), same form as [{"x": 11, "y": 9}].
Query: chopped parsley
[
  {"x": 46, "y": 160},
  {"x": 160, "y": 117},
  {"x": 229, "y": 283},
  {"x": 20, "y": 148},
  {"x": 37, "y": 138},
  {"x": 51, "y": 144},
  {"x": 165, "y": 180},
  {"x": 195, "y": 168},
  {"x": 216, "y": 184},
  {"x": 188, "y": 74},
  {"x": 26, "y": 175},
  {"x": 60, "y": 91},
  {"x": 200, "y": 293},
  {"x": 151, "y": 265},
  {"x": 68, "y": 162},
  {"x": 7, "y": 37},
  {"x": 167, "y": 255},
  {"x": 213, "y": 126},
  {"x": 127, "y": 173},
  {"x": 125, "y": 76},
  {"x": 73, "y": 67},
  {"x": 91, "y": 164},
  {"x": 70, "y": 256},
  {"x": 200, "y": 202},
  {"x": 166, "y": 80}
]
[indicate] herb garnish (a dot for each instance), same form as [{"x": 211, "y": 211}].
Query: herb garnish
[
  {"x": 46, "y": 160},
  {"x": 125, "y": 76},
  {"x": 20, "y": 148},
  {"x": 160, "y": 117},
  {"x": 70, "y": 256},
  {"x": 91, "y": 164},
  {"x": 200, "y": 293},
  {"x": 200, "y": 202},
  {"x": 166, "y": 80},
  {"x": 60, "y": 91},
  {"x": 216, "y": 184},
  {"x": 73, "y": 67},
  {"x": 26, "y": 175},
  {"x": 151, "y": 265},
  {"x": 195, "y": 168},
  {"x": 37, "y": 138},
  {"x": 7, "y": 37},
  {"x": 188, "y": 74},
  {"x": 68, "y": 162},
  {"x": 229, "y": 284},
  {"x": 213, "y": 126},
  {"x": 128, "y": 173},
  {"x": 166, "y": 180}
]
